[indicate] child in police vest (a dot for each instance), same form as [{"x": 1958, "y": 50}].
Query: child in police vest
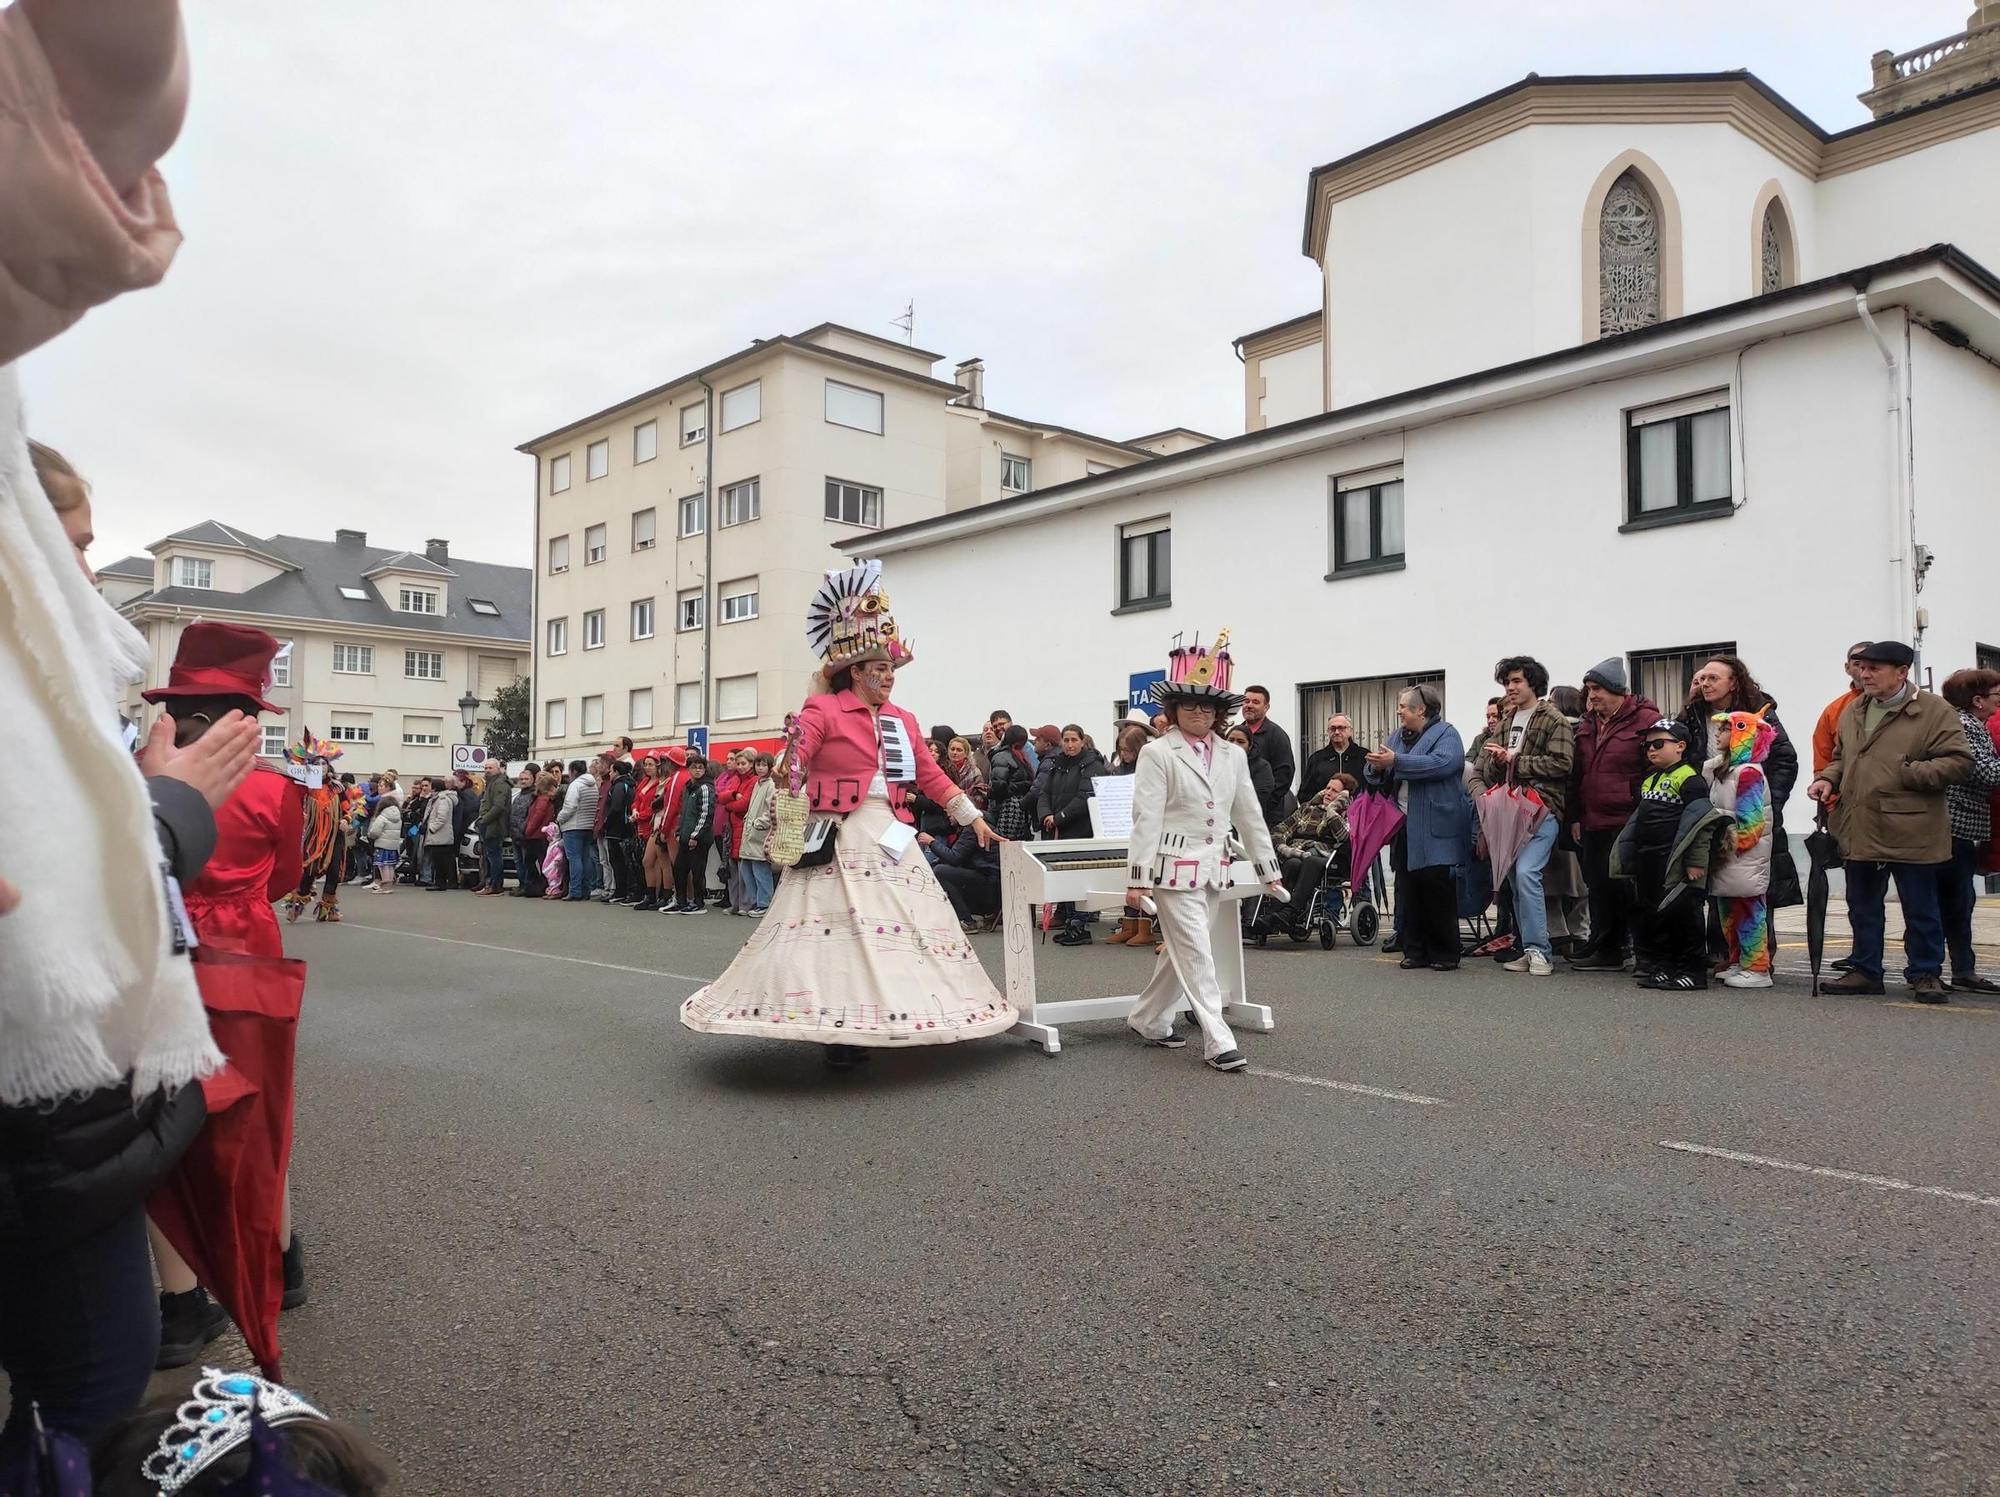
[{"x": 1667, "y": 849}]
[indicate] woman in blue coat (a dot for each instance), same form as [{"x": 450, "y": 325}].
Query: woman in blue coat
[{"x": 1423, "y": 765}]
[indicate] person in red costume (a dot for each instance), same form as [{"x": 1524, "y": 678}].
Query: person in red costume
[{"x": 218, "y": 669}]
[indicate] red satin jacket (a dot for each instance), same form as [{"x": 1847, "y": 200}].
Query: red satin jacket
[{"x": 257, "y": 859}]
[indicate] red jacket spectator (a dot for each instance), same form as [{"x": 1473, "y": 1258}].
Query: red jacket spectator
[{"x": 734, "y": 805}]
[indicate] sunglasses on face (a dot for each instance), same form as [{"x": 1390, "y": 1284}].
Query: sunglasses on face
[{"x": 1659, "y": 743}]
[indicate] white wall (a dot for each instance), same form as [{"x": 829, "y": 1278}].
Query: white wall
[
  {"x": 1956, "y": 397},
  {"x": 1943, "y": 194},
  {"x": 1294, "y": 384},
  {"x": 1513, "y": 543}
]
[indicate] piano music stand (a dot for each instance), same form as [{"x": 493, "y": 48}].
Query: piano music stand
[{"x": 1025, "y": 881}]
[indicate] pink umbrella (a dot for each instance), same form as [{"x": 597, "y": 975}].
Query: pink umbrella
[
  {"x": 1372, "y": 819},
  {"x": 1508, "y": 816}
]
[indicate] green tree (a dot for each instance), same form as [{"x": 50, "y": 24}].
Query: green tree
[{"x": 507, "y": 732}]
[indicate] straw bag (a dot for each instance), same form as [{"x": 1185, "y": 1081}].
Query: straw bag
[{"x": 789, "y": 810}]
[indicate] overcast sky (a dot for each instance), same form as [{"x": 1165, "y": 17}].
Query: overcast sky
[{"x": 420, "y": 233}]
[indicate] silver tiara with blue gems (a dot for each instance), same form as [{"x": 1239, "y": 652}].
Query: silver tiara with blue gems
[{"x": 215, "y": 1420}]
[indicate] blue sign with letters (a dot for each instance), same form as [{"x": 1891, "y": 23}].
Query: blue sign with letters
[
  {"x": 1141, "y": 692},
  {"x": 698, "y": 741}
]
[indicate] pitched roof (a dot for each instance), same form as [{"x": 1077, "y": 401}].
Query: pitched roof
[
  {"x": 1172, "y": 431},
  {"x": 409, "y": 561},
  {"x": 211, "y": 533},
  {"x": 129, "y": 566},
  {"x": 1067, "y": 431},
  {"x": 321, "y": 568}
]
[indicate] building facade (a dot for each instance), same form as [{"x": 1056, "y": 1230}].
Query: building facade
[
  {"x": 378, "y": 647},
  {"x": 659, "y": 609},
  {"x": 1713, "y": 379}
]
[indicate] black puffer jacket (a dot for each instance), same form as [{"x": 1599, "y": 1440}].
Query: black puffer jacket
[
  {"x": 1066, "y": 794},
  {"x": 71, "y": 1168}
]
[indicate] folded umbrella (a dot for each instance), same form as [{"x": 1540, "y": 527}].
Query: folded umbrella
[
  {"x": 223, "y": 1205},
  {"x": 1825, "y": 854},
  {"x": 1508, "y": 816},
  {"x": 1372, "y": 819}
]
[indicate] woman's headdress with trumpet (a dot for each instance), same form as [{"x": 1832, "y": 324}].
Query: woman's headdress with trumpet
[{"x": 848, "y": 623}]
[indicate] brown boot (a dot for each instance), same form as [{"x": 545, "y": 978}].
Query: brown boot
[
  {"x": 1142, "y": 933},
  {"x": 1121, "y": 935},
  {"x": 1852, "y": 984}
]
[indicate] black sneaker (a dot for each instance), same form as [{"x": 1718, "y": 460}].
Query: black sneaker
[
  {"x": 1228, "y": 1060},
  {"x": 1073, "y": 935},
  {"x": 649, "y": 903},
  {"x": 1171, "y": 1041},
  {"x": 188, "y": 1322},
  {"x": 295, "y": 1275}
]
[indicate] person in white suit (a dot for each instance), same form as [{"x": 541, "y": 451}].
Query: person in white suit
[{"x": 1191, "y": 786}]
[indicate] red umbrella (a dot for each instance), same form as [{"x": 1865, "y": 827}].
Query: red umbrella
[
  {"x": 223, "y": 1206},
  {"x": 1508, "y": 816},
  {"x": 1372, "y": 819}
]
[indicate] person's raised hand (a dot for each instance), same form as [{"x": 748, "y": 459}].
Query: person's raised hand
[{"x": 213, "y": 765}]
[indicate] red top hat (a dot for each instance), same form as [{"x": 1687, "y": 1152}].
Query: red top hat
[{"x": 220, "y": 660}]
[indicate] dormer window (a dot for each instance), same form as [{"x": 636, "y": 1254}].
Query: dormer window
[
  {"x": 417, "y": 600},
  {"x": 194, "y": 571}
]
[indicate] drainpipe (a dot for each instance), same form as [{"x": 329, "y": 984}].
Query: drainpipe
[
  {"x": 1901, "y": 516},
  {"x": 708, "y": 519}
]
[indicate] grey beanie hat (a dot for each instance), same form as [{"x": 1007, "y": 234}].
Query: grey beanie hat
[{"x": 1610, "y": 674}]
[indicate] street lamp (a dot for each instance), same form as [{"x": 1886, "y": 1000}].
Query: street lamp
[{"x": 468, "y": 709}]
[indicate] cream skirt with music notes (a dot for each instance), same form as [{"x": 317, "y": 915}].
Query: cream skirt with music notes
[{"x": 863, "y": 950}]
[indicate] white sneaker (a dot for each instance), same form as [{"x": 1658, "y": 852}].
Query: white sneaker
[
  {"x": 1736, "y": 977},
  {"x": 1531, "y": 962},
  {"x": 1728, "y": 972}
]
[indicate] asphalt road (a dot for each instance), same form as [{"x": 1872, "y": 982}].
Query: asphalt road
[{"x": 558, "y": 1244}]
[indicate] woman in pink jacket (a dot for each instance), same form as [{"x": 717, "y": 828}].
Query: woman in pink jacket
[{"x": 863, "y": 949}]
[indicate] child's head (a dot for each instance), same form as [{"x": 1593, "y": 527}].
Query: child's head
[
  {"x": 697, "y": 766},
  {"x": 764, "y": 765},
  {"x": 208, "y": 1443},
  {"x": 1665, "y": 743}
]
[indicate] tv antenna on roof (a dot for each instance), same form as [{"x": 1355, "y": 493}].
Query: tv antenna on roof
[{"x": 907, "y": 322}]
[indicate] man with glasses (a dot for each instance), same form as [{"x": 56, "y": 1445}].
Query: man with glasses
[{"x": 1342, "y": 755}]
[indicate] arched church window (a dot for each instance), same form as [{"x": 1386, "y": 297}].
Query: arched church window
[
  {"x": 1628, "y": 257},
  {"x": 1771, "y": 268}
]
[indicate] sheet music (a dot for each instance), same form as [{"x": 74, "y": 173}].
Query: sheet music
[{"x": 1111, "y": 805}]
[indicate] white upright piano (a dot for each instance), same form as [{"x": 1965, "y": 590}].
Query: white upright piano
[{"x": 1089, "y": 872}]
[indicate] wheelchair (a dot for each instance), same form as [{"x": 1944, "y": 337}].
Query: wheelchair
[{"x": 1336, "y": 908}]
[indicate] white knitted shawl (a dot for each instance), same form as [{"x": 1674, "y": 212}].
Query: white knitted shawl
[{"x": 91, "y": 990}]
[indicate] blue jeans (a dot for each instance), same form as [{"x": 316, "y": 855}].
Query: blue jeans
[
  {"x": 1530, "y": 914},
  {"x": 493, "y": 859},
  {"x": 580, "y": 850},
  {"x": 1923, "y": 930},
  {"x": 758, "y": 886}
]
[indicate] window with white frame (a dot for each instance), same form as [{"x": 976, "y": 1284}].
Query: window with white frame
[
  {"x": 558, "y": 555},
  {"x": 853, "y": 504},
  {"x": 1016, "y": 473},
  {"x": 687, "y": 703},
  {"x": 645, "y": 442},
  {"x": 735, "y": 698},
  {"x": 639, "y": 709},
  {"x": 1677, "y": 459},
  {"x": 593, "y": 716},
  {"x": 645, "y": 529},
  {"x": 354, "y": 660},
  {"x": 742, "y": 502},
  {"x": 1367, "y": 521},
  {"x": 642, "y": 618},
  {"x": 273, "y": 745},
  {"x": 194, "y": 571},
  {"x": 423, "y": 665},
  {"x": 739, "y": 600},
  {"x": 597, "y": 459},
  {"x": 416, "y": 600},
  {"x": 558, "y": 473},
  {"x": 850, "y": 405},
  {"x": 555, "y": 718},
  {"x": 694, "y": 514},
  {"x": 281, "y": 665},
  {"x": 742, "y": 405},
  {"x": 595, "y": 544},
  {"x": 593, "y": 629},
  {"x": 694, "y": 423},
  {"x": 423, "y": 732},
  {"x": 1146, "y": 563},
  {"x": 689, "y": 611},
  {"x": 351, "y": 727},
  {"x": 559, "y": 636}
]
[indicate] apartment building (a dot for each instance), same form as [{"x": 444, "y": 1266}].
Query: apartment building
[
  {"x": 379, "y": 647},
  {"x": 680, "y": 533}
]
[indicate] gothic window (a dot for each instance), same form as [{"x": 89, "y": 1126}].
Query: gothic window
[
  {"x": 1771, "y": 269},
  {"x": 1628, "y": 257}
]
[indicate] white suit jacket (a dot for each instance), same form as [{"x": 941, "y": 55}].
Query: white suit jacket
[{"x": 1182, "y": 816}]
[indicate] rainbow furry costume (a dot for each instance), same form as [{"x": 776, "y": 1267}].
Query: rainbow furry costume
[{"x": 1742, "y": 793}]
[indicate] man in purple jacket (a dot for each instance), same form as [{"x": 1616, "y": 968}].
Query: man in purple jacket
[{"x": 1604, "y": 783}]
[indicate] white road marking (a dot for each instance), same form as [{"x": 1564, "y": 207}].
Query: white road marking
[
  {"x": 1349, "y": 1086},
  {"x": 1879, "y": 1182},
  {"x": 547, "y": 956}
]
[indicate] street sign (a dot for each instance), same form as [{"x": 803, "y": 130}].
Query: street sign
[
  {"x": 698, "y": 741},
  {"x": 469, "y": 757},
  {"x": 1140, "y": 693}
]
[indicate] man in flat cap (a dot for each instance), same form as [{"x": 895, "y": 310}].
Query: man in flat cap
[{"x": 1896, "y": 749}]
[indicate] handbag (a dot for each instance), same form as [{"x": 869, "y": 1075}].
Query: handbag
[{"x": 790, "y": 812}]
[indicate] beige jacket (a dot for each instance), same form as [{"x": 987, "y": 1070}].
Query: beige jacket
[{"x": 1892, "y": 783}]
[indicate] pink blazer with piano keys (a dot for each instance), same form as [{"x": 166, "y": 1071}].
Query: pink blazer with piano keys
[{"x": 842, "y": 749}]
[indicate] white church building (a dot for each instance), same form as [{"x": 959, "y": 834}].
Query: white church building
[{"x": 1645, "y": 366}]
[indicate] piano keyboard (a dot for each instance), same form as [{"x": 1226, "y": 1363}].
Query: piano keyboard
[{"x": 899, "y": 755}]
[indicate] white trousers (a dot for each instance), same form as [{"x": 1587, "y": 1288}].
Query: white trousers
[{"x": 1191, "y": 922}]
